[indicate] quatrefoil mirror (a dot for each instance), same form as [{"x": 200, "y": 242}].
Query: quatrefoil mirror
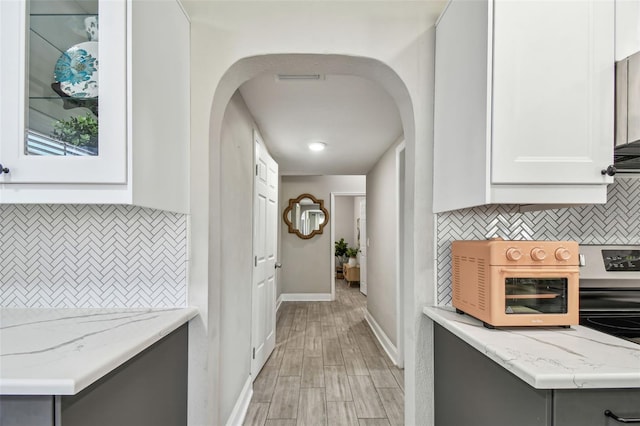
[{"x": 306, "y": 216}]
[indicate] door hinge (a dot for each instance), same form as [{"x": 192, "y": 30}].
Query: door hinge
[
  {"x": 254, "y": 353},
  {"x": 255, "y": 260},
  {"x": 256, "y": 170}
]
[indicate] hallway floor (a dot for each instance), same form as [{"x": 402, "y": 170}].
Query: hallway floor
[{"x": 327, "y": 369}]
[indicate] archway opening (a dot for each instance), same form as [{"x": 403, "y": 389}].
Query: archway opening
[{"x": 234, "y": 330}]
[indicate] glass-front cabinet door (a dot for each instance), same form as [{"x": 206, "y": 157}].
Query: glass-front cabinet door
[
  {"x": 62, "y": 113},
  {"x": 63, "y": 91}
]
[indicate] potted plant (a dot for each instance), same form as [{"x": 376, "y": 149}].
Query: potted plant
[
  {"x": 79, "y": 131},
  {"x": 341, "y": 251},
  {"x": 352, "y": 252}
]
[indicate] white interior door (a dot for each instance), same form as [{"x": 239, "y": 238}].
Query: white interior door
[
  {"x": 265, "y": 243},
  {"x": 364, "y": 243}
]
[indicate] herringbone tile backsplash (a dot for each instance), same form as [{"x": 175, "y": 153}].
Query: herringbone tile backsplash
[
  {"x": 92, "y": 256},
  {"x": 617, "y": 222}
]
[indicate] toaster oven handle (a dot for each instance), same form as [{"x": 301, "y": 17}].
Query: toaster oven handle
[
  {"x": 608, "y": 413},
  {"x": 538, "y": 271}
]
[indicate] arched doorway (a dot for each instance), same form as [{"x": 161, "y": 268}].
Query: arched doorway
[
  {"x": 232, "y": 330},
  {"x": 215, "y": 361}
]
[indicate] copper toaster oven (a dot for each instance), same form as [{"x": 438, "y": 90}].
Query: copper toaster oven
[{"x": 516, "y": 283}]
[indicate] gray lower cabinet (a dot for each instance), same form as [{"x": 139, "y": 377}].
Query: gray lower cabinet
[
  {"x": 586, "y": 406},
  {"x": 473, "y": 390},
  {"x": 32, "y": 410},
  {"x": 148, "y": 390}
]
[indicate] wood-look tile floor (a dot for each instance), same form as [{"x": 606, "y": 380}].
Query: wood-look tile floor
[{"x": 327, "y": 369}]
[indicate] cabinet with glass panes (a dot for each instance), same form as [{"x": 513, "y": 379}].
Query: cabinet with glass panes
[
  {"x": 84, "y": 101},
  {"x": 63, "y": 82},
  {"x": 63, "y": 55}
]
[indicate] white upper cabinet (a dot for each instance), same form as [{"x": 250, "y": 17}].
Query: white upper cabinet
[
  {"x": 94, "y": 102},
  {"x": 57, "y": 137},
  {"x": 553, "y": 91},
  {"x": 523, "y": 103}
]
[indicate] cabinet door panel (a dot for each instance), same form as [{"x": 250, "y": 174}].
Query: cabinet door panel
[
  {"x": 24, "y": 92},
  {"x": 461, "y": 120},
  {"x": 585, "y": 407},
  {"x": 471, "y": 389},
  {"x": 553, "y": 91}
]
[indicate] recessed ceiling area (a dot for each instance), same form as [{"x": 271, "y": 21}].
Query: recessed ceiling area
[{"x": 356, "y": 119}]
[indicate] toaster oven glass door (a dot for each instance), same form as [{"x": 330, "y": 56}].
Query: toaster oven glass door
[{"x": 539, "y": 295}]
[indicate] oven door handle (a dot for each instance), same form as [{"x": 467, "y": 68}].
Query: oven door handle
[
  {"x": 608, "y": 413},
  {"x": 554, "y": 271}
]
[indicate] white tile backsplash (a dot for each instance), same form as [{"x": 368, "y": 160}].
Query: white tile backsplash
[
  {"x": 616, "y": 222},
  {"x": 92, "y": 256}
]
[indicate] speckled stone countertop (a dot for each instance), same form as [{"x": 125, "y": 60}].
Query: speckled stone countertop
[
  {"x": 62, "y": 351},
  {"x": 549, "y": 357}
]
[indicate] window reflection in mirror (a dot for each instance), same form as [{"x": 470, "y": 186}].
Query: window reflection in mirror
[{"x": 306, "y": 216}]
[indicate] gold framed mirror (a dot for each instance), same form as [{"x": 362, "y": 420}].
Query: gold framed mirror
[{"x": 306, "y": 216}]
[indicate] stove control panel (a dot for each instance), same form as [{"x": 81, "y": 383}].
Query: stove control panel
[
  {"x": 609, "y": 266},
  {"x": 621, "y": 260}
]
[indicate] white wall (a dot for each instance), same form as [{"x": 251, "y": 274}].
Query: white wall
[
  {"x": 627, "y": 28},
  {"x": 229, "y": 41},
  {"x": 306, "y": 264},
  {"x": 235, "y": 308},
  {"x": 382, "y": 251},
  {"x": 344, "y": 219}
]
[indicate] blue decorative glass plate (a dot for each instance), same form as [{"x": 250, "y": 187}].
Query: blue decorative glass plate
[{"x": 77, "y": 70}]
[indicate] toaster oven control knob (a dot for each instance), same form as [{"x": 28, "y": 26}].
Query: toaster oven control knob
[
  {"x": 513, "y": 254},
  {"x": 538, "y": 254},
  {"x": 563, "y": 254}
]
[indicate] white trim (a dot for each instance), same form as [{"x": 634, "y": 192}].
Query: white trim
[
  {"x": 332, "y": 260},
  {"x": 305, "y": 297},
  {"x": 435, "y": 259},
  {"x": 278, "y": 303},
  {"x": 382, "y": 337},
  {"x": 332, "y": 216},
  {"x": 400, "y": 149},
  {"x": 242, "y": 405}
]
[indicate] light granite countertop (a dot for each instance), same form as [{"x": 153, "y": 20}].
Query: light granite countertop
[
  {"x": 549, "y": 357},
  {"x": 62, "y": 351}
]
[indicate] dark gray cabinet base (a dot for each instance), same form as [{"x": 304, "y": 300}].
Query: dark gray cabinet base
[
  {"x": 21, "y": 410},
  {"x": 148, "y": 390},
  {"x": 472, "y": 390}
]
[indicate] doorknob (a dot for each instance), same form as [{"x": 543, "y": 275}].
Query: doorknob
[
  {"x": 3, "y": 169},
  {"x": 609, "y": 171},
  {"x": 278, "y": 265}
]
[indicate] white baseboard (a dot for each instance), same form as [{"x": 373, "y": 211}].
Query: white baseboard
[
  {"x": 382, "y": 337},
  {"x": 278, "y": 303},
  {"x": 306, "y": 297},
  {"x": 242, "y": 405}
]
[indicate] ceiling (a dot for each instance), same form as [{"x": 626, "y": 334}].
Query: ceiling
[{"x": 354, "y": 116}]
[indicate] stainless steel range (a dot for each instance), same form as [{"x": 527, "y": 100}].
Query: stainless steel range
[{"x": 610, "y": 290}]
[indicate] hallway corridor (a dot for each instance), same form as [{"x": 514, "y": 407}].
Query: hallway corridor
[{"x": 327, "y": 369}]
